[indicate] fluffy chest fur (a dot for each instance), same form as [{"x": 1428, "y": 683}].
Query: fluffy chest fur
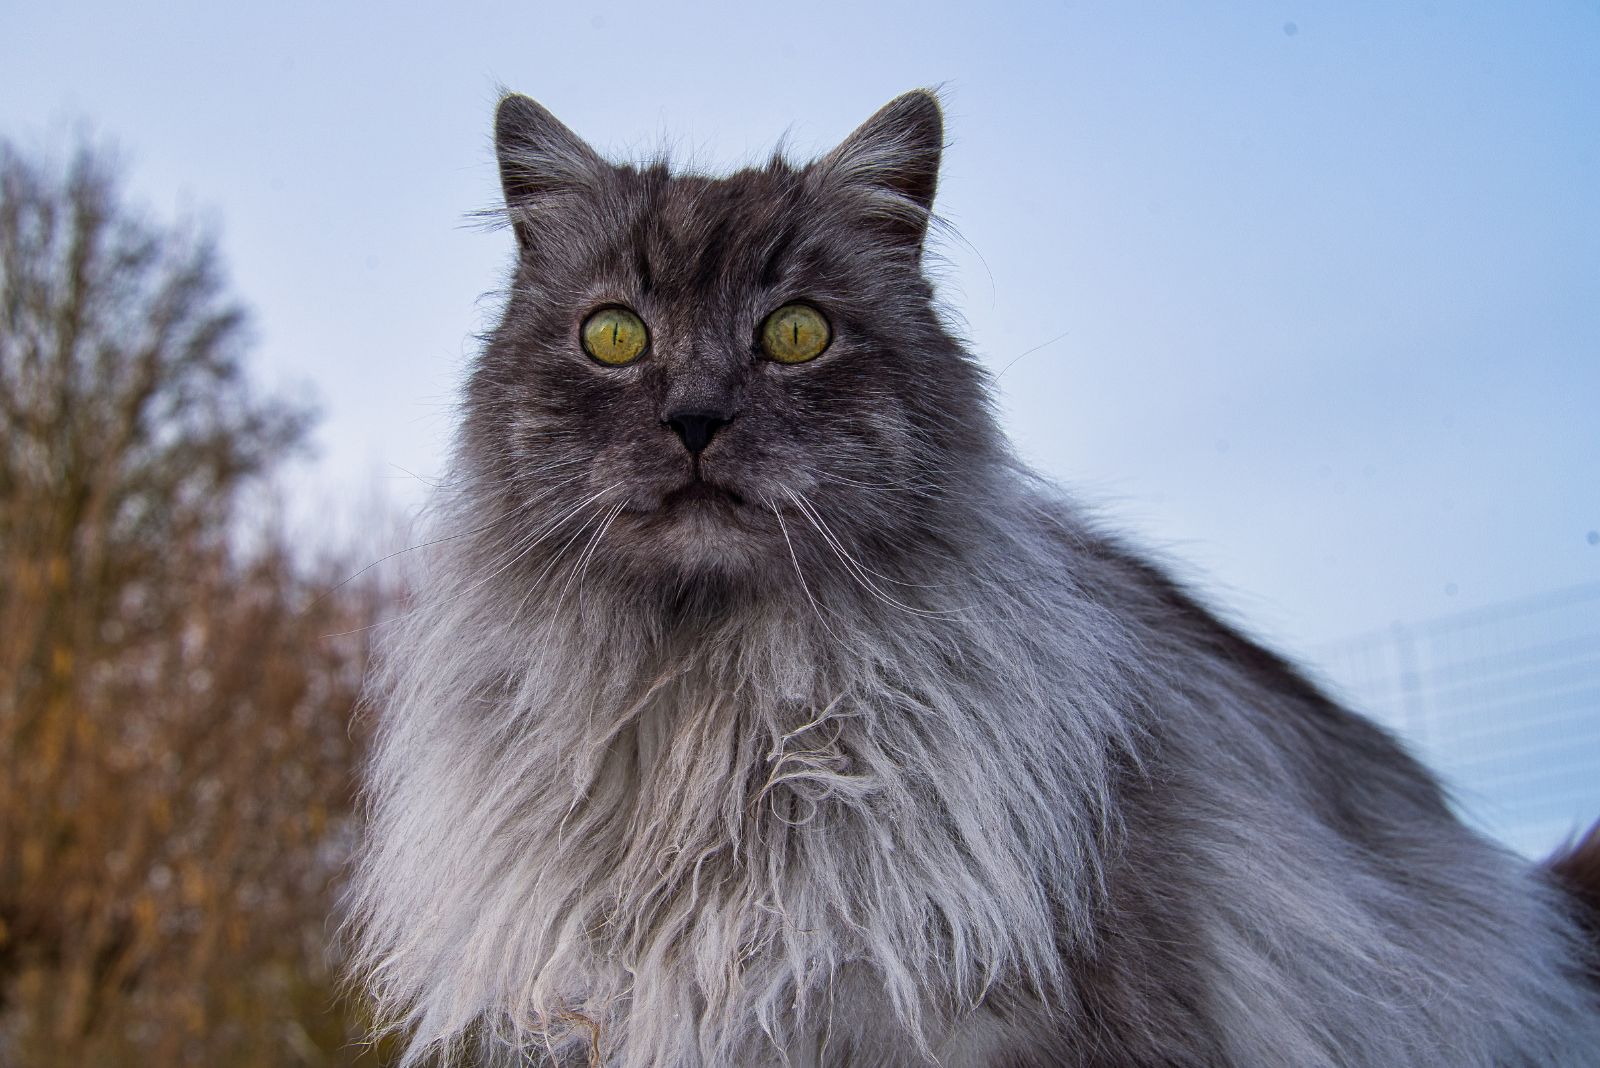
[{"x": 694, "y": 847}]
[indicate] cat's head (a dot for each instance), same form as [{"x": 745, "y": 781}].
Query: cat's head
[{"x": 722, "y": 380}]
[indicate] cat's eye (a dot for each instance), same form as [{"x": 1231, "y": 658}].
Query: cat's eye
[
  {"x": 795, "y": 333},
  {"x": 614, "y": 336}
]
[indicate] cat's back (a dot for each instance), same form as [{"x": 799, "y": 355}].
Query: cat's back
[{"x": 1288, "y": 881}]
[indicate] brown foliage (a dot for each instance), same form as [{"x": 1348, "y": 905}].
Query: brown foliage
[{"x": 175, "y": 707}]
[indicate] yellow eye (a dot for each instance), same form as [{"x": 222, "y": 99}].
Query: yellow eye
[
  {"x": 795, "y": 333},
  {"x": 614, "y": 336}
]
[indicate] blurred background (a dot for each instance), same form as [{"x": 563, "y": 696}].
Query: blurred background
[{"x": 1305, "y": 297}]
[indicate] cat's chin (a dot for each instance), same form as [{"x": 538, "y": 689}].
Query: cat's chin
[{"x": 699, "y": 530}]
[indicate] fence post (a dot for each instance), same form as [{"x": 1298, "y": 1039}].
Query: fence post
[{"x": 1413, "y": 708}]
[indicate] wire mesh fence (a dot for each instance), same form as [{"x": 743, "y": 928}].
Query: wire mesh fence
[{"x": 1503, "y": 702}]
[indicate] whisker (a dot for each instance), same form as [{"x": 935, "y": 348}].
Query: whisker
[
  {"x": 330, "y": 591},
  {"x": 517, "y": 551},
  {"x": 510, "y": 514},
  {"x": 816, "y": 516},
  {"x": 1029, "y": 352},
  {"x": 556, "y": 556},
  {"x": 861, "y": 578},
  {"x": 543, "y": 534},
  {"x": 615, "y": 512},
  {"x": 784, "y": 527},
  {"x": 582, "y": 564}
]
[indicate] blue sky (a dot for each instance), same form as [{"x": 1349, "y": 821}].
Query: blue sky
[{"x": 1324, "y": 279}]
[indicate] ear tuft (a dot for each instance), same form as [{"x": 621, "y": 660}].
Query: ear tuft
[
  {"x": 895, "y": 155},
  {"x": 539, "y": 158}
]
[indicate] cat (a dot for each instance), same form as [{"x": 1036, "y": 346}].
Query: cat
[{"x": 758, "y": 706}]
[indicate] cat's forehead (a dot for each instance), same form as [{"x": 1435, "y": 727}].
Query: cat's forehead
[
  {"x": 695, "y": 208},
  {"x": 695, "y": 231}
]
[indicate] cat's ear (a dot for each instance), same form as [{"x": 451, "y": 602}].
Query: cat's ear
[
  {"x": 541, "y": 161},
  {"x": 893, "y": 157}
]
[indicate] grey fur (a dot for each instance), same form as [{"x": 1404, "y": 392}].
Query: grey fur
[{"x": 884, "y": 755}]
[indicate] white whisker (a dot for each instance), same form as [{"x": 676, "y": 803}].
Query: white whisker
[{"x": 860, "y": 577}]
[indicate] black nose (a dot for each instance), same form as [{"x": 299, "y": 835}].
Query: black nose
[{"x": 696, "y": 428}]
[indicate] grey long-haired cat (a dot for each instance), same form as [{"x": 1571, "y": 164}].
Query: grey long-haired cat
[{"x": 758, "y": 707}]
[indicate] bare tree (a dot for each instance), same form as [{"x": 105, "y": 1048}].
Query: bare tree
[{"x": 174, "y": 719}]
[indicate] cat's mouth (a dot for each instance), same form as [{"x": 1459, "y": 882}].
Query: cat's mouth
[{"x": 699, "y": 492}]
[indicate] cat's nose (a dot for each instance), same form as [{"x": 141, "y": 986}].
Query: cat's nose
[{"x": 697, "y": 428}]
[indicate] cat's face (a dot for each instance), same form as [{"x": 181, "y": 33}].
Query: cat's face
[{"x": 701, "y": 378}]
